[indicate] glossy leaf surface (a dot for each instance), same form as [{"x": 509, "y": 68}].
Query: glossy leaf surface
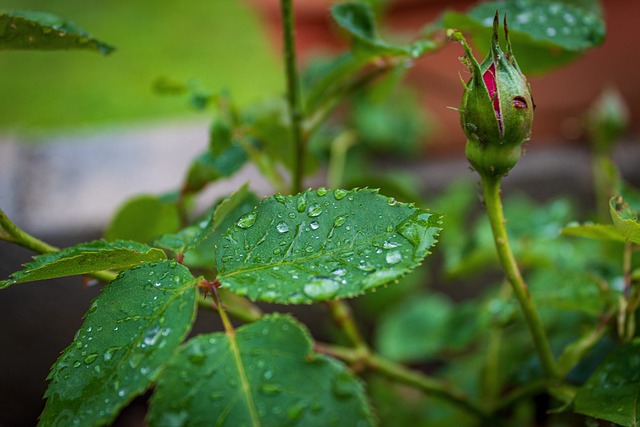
[
  {"x": 129, "y": 332},
  {"x": 264, "y": 375},
  {"x": 85, "y": 258},
  {"x": 44, "y": 31},
  {"x": 545, "y": 34},
  {"x": 321, "y": 245},
  {"x": 611, "y": 392}
]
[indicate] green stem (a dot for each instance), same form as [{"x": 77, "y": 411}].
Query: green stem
[
  {"x": 401, "y": 374},
  {"x": 22, "y": 238},
  {"x": 293, "y": 94},
  {"x": 13, "y": 234},
  {"x": 342, "y": 315},
  {"x": 493, "y": 204},
  {"x": 241, "y": 310}
]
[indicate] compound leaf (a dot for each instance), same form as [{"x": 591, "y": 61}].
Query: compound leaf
[
  {"x": 128, "y": 333},
  {"x": 85, "y": 258},
  {"x": 321, "y": 245},
  {"x": 44, "y": 31},
  {"x": 266, "y": 374},
  {"x": 611, "y": 393}
]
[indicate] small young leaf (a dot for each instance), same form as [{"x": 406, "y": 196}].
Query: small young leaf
[
  {"x": 322, "y": 245},
  {"x": 44, "y": 31},
  {"x": 545, "y": 33},
  {"x": 625, "y": 219},
  {"x": 129, "y": 332},
  {"x": 264, "y": 375},
  {"x": 209, "y": 167},
  {"x": 611, "y": 393},
  {"x": 144, "y": 218},
  {"x": 85, "y": 258}
]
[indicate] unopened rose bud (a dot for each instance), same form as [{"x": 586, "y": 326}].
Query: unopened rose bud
[{"x": 497, "y": 108}]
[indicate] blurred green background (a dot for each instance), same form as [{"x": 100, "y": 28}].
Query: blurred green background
[{"x": 214, "y": 44}]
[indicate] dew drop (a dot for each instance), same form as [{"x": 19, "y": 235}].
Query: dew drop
[
  {"x": 392, "y": 202},
  {"x": 393, "y": 257},
  {"x": 282, "y": 227},
  {"x": 342, "y": 386},
  {"x": 365, "y": 266},
  {"x": 301, "y": 204},
  {"x": 314, "y": 210},
  {"x": 321, "y": 191},
  {"x": 390, "y": 245},
  {"x": 321, "y": 288},
  {"x": 340, "y": 271},
  {"x": 280, "y": 198},
  {"x": 296, "y": 411},
  {"x": 90, "y": 358},
  {"x": 340, "y": 194},
  {"x": 339, "y": 220},
  {"x": 314, "y": 225},
  {"x": 247, "y": 220},
  {"x": 292, "y": 215},
  {"x": 76, "y": 364},
  {"x": 270, "y": 389}
]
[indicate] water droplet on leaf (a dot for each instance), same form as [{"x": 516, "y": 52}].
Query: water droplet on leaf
[
  {"x": 339, "y": 194},
  {"x": 247, "y": 220},
  {"x": 282, "y": 227},
  {"x": 321, "y": 288},
  {"x": 314, "y": 210},
  {"x": 394, "y": 257}
]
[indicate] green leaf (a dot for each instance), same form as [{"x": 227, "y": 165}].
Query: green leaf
[
  {"x": 568, "y": 290},
  {"x": 85, "y": 258},
  {"x": 144, "y": 218},
  {"x": 208, "y": 167},
  {"x": 594, "y": 231},
  {"x": 322, "y": 245},
  {"x": 545, "y": 34},
  {"x": 625, "y": 219},
  {"x": 422, "y": 326},
  {"x": 44, "y": 31},
  {"x": 357, "y": 18},
  {"x": 266, "y": 374},
  {"x": 129, "y": 332},
  {"x": 327, "y": 81},
  {"x": 611, "y": 393}
]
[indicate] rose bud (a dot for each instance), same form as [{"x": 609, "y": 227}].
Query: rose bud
[{"x": 497, "y": 107}]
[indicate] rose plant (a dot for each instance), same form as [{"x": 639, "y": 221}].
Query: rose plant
[{"x": 553, "y": 344}]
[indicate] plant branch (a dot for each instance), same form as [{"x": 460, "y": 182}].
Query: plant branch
[
  {"x": 342, "y": 315},
  {"x": 493, "y": 205},
  {"x": 293, "y": 94},
  {"x": 21, "y": 237},
  {"x": 236, "y": 307}
]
